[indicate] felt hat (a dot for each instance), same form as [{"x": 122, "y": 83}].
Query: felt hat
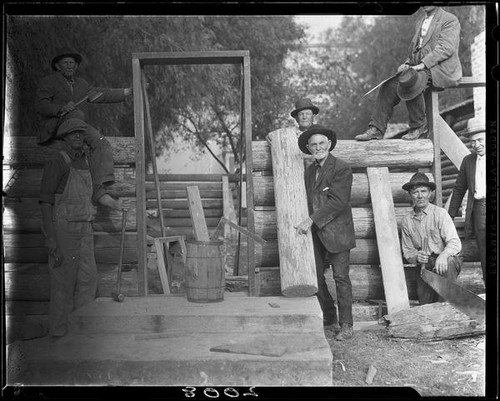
[
  {"x": 303, "y": 104},
  {"x": 473, "y": 129},
  {"x": 411, "y": 83},
  {"x": 316, "y": 129},
  {"x": 419, "y": 179},
  {"x": 69, "y": 126},
  {"x": 65, "y": 52}
]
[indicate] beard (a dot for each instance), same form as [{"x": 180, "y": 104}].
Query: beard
[{"x": 320, "y": 155}]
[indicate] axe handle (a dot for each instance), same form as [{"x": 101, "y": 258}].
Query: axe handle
[{"x": 242, "y": 230}]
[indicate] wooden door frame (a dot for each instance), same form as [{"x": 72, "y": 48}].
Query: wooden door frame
[{"x": 139, "y": 60}]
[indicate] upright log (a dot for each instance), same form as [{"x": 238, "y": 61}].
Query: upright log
[{"x": 296, "y": 252}]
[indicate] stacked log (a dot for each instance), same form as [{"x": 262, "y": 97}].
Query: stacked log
[{"x": 403, "y": 158}]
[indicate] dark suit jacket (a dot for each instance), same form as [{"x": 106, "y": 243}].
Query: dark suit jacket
[
  {"x": 54, "y": 92},
  {"x": 439, "y": 50},
  {"x": 330, "y": 208},
  {"x": 466, "y": 180}
]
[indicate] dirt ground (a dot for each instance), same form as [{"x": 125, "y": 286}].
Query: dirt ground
[{"x": 454, "y": 367}]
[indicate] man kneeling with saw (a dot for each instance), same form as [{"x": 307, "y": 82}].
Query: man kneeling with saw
[{"x": 429, "y": 237}]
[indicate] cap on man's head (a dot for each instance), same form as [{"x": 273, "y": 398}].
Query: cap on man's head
[
  {"x": 69, "y": 126},
  {"x": 419, "y": 179},
  {"x": 316, "y": 129},
  {"x": 304, "y": 104}
]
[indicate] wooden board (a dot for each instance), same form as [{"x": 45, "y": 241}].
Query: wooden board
[
  {"x": 396, "y": 293},
  {"x": 450, "y": 143},
  {"x": 197, "y": 215},
  {"x": 296, "y": 251}
]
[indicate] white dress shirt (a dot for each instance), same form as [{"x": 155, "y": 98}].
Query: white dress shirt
[{"x": 480, "y": 185}]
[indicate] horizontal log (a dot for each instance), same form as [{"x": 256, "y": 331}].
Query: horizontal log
[
  {"x": 449, "y": 170},
  {"x": 27, "y": 184},
  {"x": 364, "y": 253},
  {"x": 32, "y": 283},
  {"x": 183, "y": 204},
  {"x": 387, "y": 153},
  {"x": 192, "y": 178},
  {"x": 367, "y": 280},
  {"x": 360, "y": 192},
  {"x": 24, "y": 149},
  {"x": 181, "y": 194},
  {"x": 265, "y": 222},
  {"x": 24, "y": 215}
]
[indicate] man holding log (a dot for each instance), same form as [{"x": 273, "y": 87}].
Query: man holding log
[
  {"x": 328, "y": 186},
  {"x": 67, "y": 199},
  {"x": 61, "y": 95},
  {"x": 429, "y": 237}
]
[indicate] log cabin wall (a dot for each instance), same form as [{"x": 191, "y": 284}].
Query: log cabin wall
[
  {"x": 25, "y": 256},
  {"x": 403, "y": 158}
]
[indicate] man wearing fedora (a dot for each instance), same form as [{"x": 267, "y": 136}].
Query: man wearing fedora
[
  {"x": 67, "y": 199},
  {"x": 429, "y": 237},
  {"x": 328, "y": 186},
  {"x": 56, "y": 100},
  {"x": 432, "y": 60},
  {"x": 472, "y": 178},
  {"x": 304, "y": 113}
]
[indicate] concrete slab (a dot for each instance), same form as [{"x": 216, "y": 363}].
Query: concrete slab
[
  {"x": 237, "y": 313},
  {"x": 178, "y": 359}
]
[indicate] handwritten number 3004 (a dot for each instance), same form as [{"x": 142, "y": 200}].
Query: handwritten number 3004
[{"x": 210, "y": 392}]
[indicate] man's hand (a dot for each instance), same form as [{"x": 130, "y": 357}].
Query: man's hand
[
  {"x": 67, "y": 108},
  {"x": 403, "y": 67},
  {"x": 305, "y": 226},
  {"x": 51, "y": 245},
  {"x": 418, "y": 67},
  {"x": 441, "y": 265},
  {"x": 116, "y": 204},
  {"x": 422, "y": 257}
]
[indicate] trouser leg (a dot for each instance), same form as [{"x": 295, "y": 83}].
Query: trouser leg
[
  {"x": 479, "y": 221},
  {"x": 101, "y": 157},
  {"x": 325, "y": 299},
  {"x": 86, "y": 281},
  {"x": 387, "y": 99},
  {"x": 340, "y": 263},
  {"x": 426, "y": 295},
  {"x": 62, "y": 281},
  {"x": 416, "y": 107}
]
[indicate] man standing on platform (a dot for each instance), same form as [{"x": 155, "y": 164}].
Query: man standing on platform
[
  {"x": 304, "y": 114},
  {"x": 472, "y": 177},
  {"x": 328, "y": 185},
  {"x": 429, "y": 237},
  {"x": 432, "y": 60},
  {"x": 67, "y": 200}
]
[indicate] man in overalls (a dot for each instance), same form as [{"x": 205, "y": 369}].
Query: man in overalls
[{"x": 67, "y": 200}]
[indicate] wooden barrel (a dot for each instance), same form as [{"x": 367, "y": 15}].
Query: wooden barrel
[{"x": 205, "y": 279}]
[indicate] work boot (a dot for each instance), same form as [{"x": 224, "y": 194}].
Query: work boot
[
  {"x": 416, "y": 133},
  {"x": 345, "y": 332},
  {"x": 371, "y": 133}
]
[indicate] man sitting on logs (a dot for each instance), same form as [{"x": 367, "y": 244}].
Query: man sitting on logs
[
  {"x": 328, "y": 186},
  {"x": 429, "y": 237}
]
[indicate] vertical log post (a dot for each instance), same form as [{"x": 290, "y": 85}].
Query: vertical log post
[{"x": 296, "y": 252}]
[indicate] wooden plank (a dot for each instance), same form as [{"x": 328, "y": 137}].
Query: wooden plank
[
  {"x": 393, "y": 153},
  {"x": 181, "y": 194},
  {"x": 197, "y": 215},
  {"x": 396, "y": 293},
  {"x": 432, "y": 112},
  {"x": 228, "y": 208},
  {"x": 16, "y": 148},
  {"x": 140, "y": 176},
  {"x": 184, "y": 204},
  {"x": 162, "y": 268},
  {"x": 296, "y": 251},
  {"x": 470, "y": 82},
  {"x": 190, "y": 178},
  {"x": 263, "y": 194},
  {"x": 450, "y": 143},
  {"x": 192, "y": 57}
]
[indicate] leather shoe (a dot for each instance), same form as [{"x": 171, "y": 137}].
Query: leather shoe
[
  {"x": 371, "y": 133},
  {"x": 416, "y": 133},
  {"x": 346, "y": 332}
]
